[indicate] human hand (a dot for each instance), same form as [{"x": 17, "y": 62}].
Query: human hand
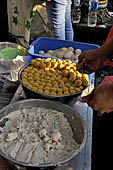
[
  {"x": 100, "y": 99},
  {"x": 90, "y": 61}
]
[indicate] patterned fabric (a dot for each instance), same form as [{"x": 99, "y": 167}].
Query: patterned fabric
[{"x": 21, "y": 17}]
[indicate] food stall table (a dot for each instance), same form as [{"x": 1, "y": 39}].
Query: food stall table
[{"x": 83, "y": 160}]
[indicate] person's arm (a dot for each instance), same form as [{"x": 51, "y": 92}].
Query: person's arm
[
  {"x": 92, "y": 60},
  {"x": 100, "y": 99}
]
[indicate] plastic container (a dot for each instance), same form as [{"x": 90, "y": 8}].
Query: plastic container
[
  {"x": 76, "y": 11},
  {"x": 92, "y": 14},
  {"x": 44, "y": 43}
]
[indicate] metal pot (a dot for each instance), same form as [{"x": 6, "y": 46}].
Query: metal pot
[
  {"x": 32, "y": 94},
  {"x": 76, "y": 122}
]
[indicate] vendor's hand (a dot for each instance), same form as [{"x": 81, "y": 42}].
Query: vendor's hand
[
  {"x": 90, "y": 61},
  {"x": 101, "y": 98}
]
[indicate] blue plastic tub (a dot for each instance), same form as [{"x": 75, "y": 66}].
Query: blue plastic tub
[{"x": 46, "y": 44}]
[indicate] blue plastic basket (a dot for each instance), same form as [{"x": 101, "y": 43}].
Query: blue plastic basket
[{"x": 46, "y": 44}]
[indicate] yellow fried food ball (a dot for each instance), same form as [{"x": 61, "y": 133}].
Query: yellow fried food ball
[
  {"x": 53, "y": 93},
  {"x": 42, "y": 65},
  {"x": 64, "y": 62},
  {"x": 24, "y": 76},
  {"x": 52, "y": 69},
  {"x": 74, "y": 68},
  {"x": 71, "y": 70},
  {"x": 85, "y": 76},
  {"x": 46, "y": 88},
  {"x": 67, "y": 84},
  {"x": 38, "y": 59},
  {"x": 65, "y": 72},
  {"x": 53, "y": 82},
  {"x": 24, "y": 79},
  {"x": 54, "y": 64},
  {"x": 36, "y": 78},
  {"x": 59, "y": 90},
  {"x": 69, "y": 62},
  {"x": 59, "y": 61},
  {"x": 43, "y": 84},
  {"x": 48, "y": 73},
  {"x": 81, "y": 87},
  {"x": 35, "y": 70},
  {"x": 42, "y": 79},
  {"x": 32, "y": 82},
  {"x": 39, "y": 90},
  {"x": 77, "y": 89},
  {"x": 72, "y": 92},
  {"x": 56, "y": 85},
  {"x": 67, "y": 67},
  {"x": 34, "y": 88},
  {"x": 32, "y": 72},
  {"x": 30, "y": 75},
  {"x": 41, "y": 87},
  {"x": 48, "y": 64},
  {"x": 72, "y": 78},
  {"x": 59, "y": 94},
  {"x": 47, "y": 69},
  {"x": 54, "y": 60},
  {"x": 47, "y": 77},
  {"x": 59, "y": 81},
  {"x": 48, "y": 81},
  {"x": 30, "y": 79},
  {"x": 62, "y": 85},
  {"x": 53, "y": 89},
  {"x": 72, "y": 73},
  {"x": 25, "y": 82},
  {"x": 37, "y": 84},
  {"x": 32, "y": 62},
  {"x": 78, "y": 83},
  {"x": 28, "y": 69},
  {"x": 60, "y": 66},
  {"x": 65, "y": 89},
  {"x": 36, "y": 64},
  {"x": 48, "y": 84},
  {"x": 71, "y": 88},
  {"x": 64, "y": 79},
  {"x": 46, "y": 92},
  {"x": 29, "y": 86},
  {"x": 66, "y": 93},
  {"x": 78, "y": 74},
  {"x": 47, "y": 59},
  {"x": 85, "y": 82}
]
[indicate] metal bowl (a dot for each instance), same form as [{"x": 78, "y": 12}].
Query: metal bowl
[
  {"x": 32, "y": 94},
  {"x": 76, "y": 122}
]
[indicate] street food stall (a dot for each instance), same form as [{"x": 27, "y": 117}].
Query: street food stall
[{"x": 81, "y": 159}]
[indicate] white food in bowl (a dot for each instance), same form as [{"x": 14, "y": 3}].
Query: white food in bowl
[{"x": 37, "y": 135}]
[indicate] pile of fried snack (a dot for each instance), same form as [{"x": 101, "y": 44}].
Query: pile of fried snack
[{"x": 54, "y": 77}]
